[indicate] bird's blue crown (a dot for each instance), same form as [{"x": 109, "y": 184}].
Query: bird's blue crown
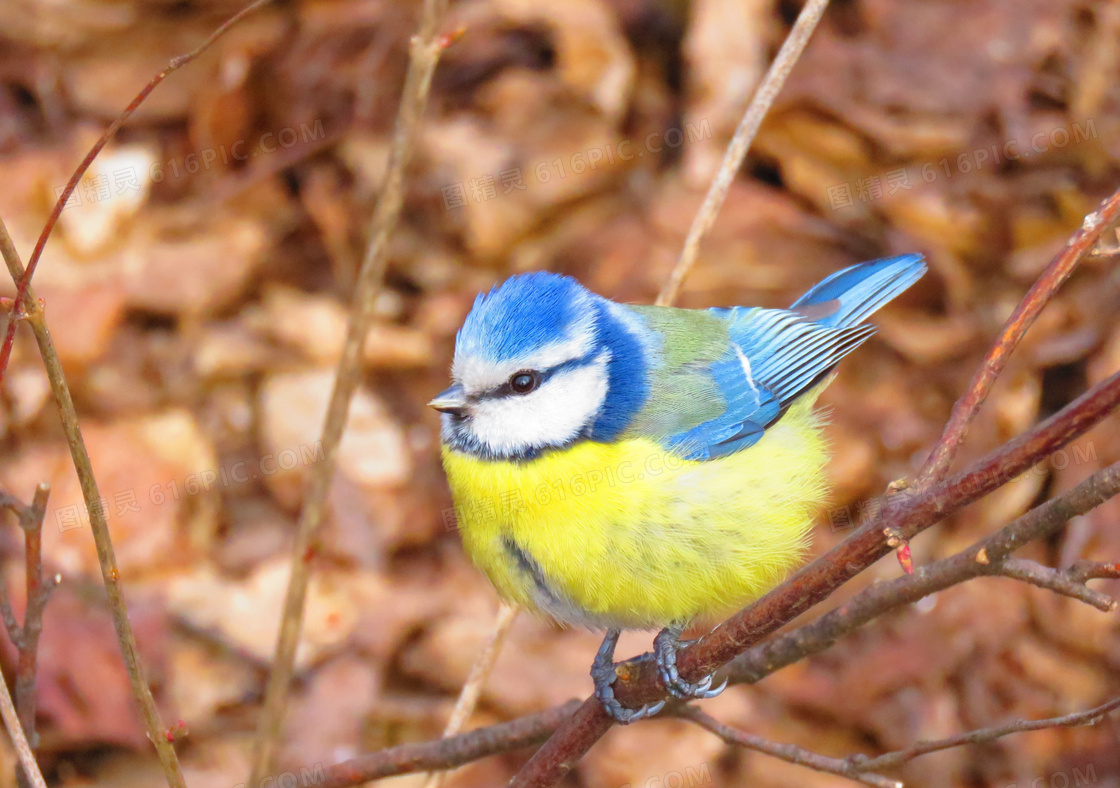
[{"x": 523, "y": 314}]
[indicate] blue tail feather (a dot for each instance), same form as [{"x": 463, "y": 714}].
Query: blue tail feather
[{"x": 862, "y": 288}]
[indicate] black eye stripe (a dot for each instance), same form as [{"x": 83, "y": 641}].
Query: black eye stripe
[{"x": 506, "y": 390}]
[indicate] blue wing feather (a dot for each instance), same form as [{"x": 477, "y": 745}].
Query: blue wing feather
[{"x": 776, "y": 355}]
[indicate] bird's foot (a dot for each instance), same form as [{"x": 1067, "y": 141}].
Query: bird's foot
[
  {"x": 604, "y": 675},
  {"x": 665, "y": 647}
]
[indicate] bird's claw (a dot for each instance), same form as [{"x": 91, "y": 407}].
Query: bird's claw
[
  {"x": 603, "y": 674},
  {"x": 665, "y": 647},
  {"x": 624, "y": 716}
]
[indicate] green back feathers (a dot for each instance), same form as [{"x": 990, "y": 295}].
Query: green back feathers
[{"x": 682, "y": 393}]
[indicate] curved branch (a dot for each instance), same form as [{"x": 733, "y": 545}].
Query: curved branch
[
  {"x": 1059, "y": 270},
  {"x": 1057, "y": 581},
  {"x": 790, "y": 753},
  {"x": 760, "y": 104},
  {"x": 892, "y": 759},
  {"x": 450, "y": 752},
  {"x": 99, "y": 526},
  {"x": 426, "y": 48},
  {"x": 862, "y": 769}
]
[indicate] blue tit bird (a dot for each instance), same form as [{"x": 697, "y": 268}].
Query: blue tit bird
[{"x": 640, "y": 467}]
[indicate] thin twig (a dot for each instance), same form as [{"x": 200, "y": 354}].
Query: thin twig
[
  {"x": 760, "y": 104},
  {"x": 790, "y": 753},
  {"x": 1057, "y": 581},
  {"x": 106, "y": 556},
  {"x": 1093, "y": 570},
  {"x": 425, "y": 50},
  {"x": 7, "y": 613},
  {"x": 24, "y": 282},
  {"x": 1059, "y": 270},
  {"x": 863, "y": 769},
  {"x": 25, "y": 637},
  {"x": 449, "y": 753},
  {"x": 15, "y": 731},
  {"x": 38, "y": 592},
  {"x": 472, "y": 689},
  {"x": 892, "y": 759}
]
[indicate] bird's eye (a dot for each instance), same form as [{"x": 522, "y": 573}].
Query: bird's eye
[{"x": 524, "y": 381}]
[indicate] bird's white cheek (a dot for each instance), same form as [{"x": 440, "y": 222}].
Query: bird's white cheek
[{"x": 550, "y": 416}]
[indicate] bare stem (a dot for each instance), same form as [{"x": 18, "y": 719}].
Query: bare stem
[
  {"x": 33, "y": 314},
  {"x": 449, "y": 753},
  {"x": 472, "y": 689},
  {"x": 38, "y": 592},
  {"x": 790, "y": 753},
  {"x": 862, "y": 769},
  {"x": 744, "y": 135},
  {"x": 26, "y": 637},
  {"x": 425, "y": 51},
  {"x": 1036, "y": 299},
  {"x": 1057, "y": 581},
  {"x": 892, "y": 759},
  {"x": 15, "y": 731}
]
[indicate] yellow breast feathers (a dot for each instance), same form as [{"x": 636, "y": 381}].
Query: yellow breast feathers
[{"x": 627, "y": 535}]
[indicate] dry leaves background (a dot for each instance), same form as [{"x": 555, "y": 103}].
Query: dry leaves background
[{"x": 196, "y": 295}]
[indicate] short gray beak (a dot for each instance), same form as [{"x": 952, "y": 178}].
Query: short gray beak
[{"x": 452, "y": 400}]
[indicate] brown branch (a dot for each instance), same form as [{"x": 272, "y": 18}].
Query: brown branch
[
  {"x": 425, "y": 51},
  {"x": 449, "y": 753},
  {"x": 982, "y": 558},
  {"x": 472, "y": 689},
  {"x": 1059, "y": 270},
  {"x": 760, "y": 105},
  {"x": 38, "y": 592},
  {"x": 1093, "y": 570},
  {"x": 1055, "y": 580},
  {"x": 24, "y": 282},
  {"x": 790, "y": 753},
  {"x": 106, "y": 556},
  {"x": 26, "y": 637},
  {"x": 892, "y": 759},
  {"x": 15, "y": 731},
  {"x": 862, "y": 768},
  {"x": 15, "y": 633}
]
